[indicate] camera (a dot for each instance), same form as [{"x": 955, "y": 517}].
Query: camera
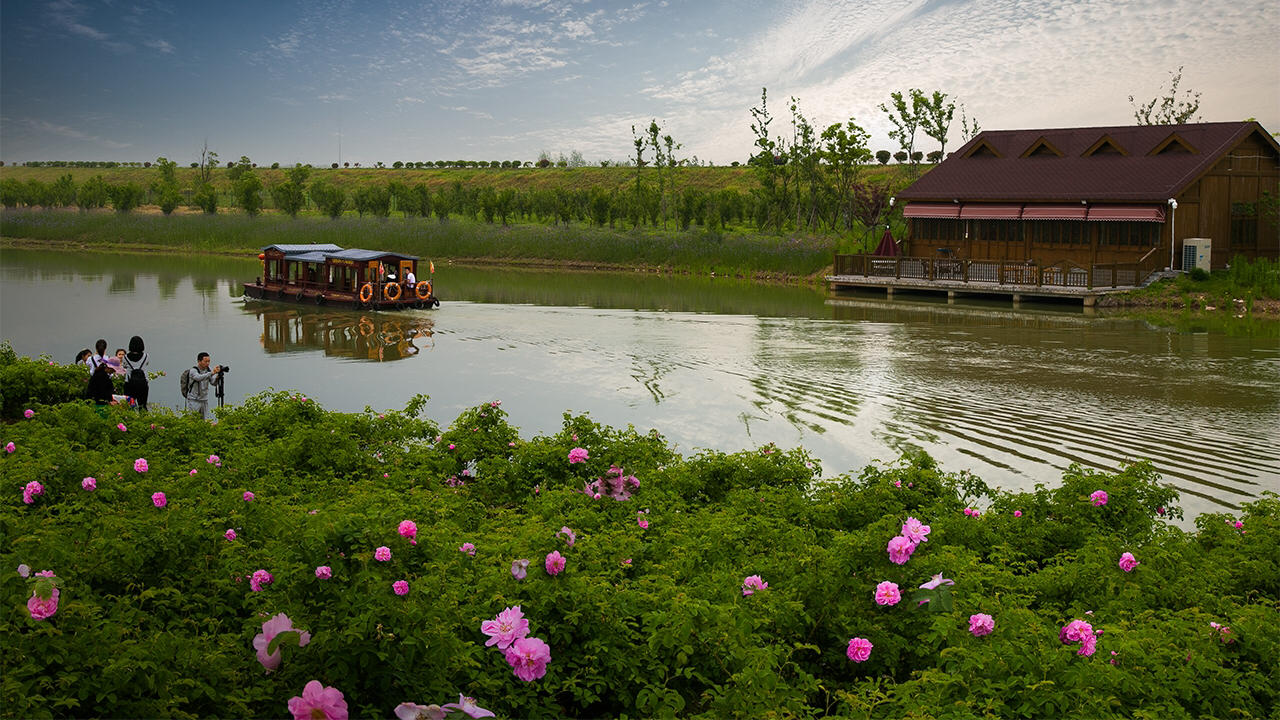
[{"x": 225, "y": 369}]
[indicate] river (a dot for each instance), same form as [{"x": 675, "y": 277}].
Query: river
[{"x": 1014, "y": 396}]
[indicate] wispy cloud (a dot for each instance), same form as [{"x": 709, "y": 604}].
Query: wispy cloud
[
  {"x": 66, "y": 15},
  {"x": 43, "y": 126},
  {"x": 333, "y": 97},
  {"x": 162, "y": 46},
  {"x": 467, "y": 111}
]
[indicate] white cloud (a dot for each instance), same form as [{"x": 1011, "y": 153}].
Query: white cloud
[
  {"x": 162, "y": 46},
  {"x": 66, "y": 15},
  {"x": 43, "y": 126}
]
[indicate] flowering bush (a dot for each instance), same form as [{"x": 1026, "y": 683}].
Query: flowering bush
[{"x": 156, "y": 614}]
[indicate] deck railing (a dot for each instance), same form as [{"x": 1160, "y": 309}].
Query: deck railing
[{"x": 996, "y": 272}]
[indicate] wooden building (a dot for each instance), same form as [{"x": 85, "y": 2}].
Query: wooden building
[{"x": 1151, "y": 196}]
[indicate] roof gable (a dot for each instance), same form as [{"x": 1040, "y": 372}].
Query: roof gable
[
  {"x": 982, "y": 149},
  {"x": 1105, "y": 145},
  {"x": 1041, "y": 148},
  {"x": 1174, "y": 143}
]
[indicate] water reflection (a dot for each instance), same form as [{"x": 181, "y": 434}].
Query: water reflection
[{"x": 380, "y": 337}]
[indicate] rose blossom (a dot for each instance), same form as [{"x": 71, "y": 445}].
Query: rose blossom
[
  {"x": 1128, "y": 562},
  {"x": 122, "y": 428},
  {"x": 318, "y": 703},
  {"x": 270, "y": 629},
  {"x": 408, "y": 529},
  {"x": 900, "y": 549},
  {"x": 414, "y": 711},
  {"x": 519, "y": 568},
  {"x": 981, "y": 624},
  {"x": 400, "y": 587},
  {"x": 859, "y": 649},
  {"x": 752, "y": 583},
  {"x": 248, "y": 496},
  {"x": 30, "y": 492},
  {"x": 89, "y": 484},
  {"x": 230, "y": 534},
  {"x": 1099, "y": 497},
  {"x": 528, "y": 658},
  {"x": 915, "y": 531},
  {"x": 260, "y": 579},
  {"x": 140, "y": 465},
  {"x": 467, "y": 548},
  {"x": 159, "y": 500},
  {"x": 24, "y": 570},
  {"x": 43, "y": 608},
  {"x": 28, "y": 413},
  {"x": 569, "y": 536},
  {"x": 383, "y": 553},
  {"x": 1017, "y": 513},
  {"x": 467, "y": 706},
  {"x": 578, "y": 455},
  {"x": 507, "y": 627},
  {"x": 555, "y": 563},
  {"x": 324, "y": 572},
  {"x": 887, "y": 593}
]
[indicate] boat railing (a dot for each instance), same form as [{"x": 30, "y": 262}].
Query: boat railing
[{"x": 998, "y": 272}]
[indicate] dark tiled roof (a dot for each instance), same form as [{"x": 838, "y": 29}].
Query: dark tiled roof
[
  {"x": 359, "y": 255},
  {"x": 1134, "y": 176}
]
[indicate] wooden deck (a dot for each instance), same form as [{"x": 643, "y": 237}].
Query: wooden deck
[{"x": 989, "y": 277}]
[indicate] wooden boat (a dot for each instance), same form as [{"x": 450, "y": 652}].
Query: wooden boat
[{"x": 325, "y": 274}]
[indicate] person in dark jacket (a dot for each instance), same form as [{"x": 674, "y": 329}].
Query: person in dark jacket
[
  {"x": 99, "y": 390},
  {"x": 135, "y": 374}
]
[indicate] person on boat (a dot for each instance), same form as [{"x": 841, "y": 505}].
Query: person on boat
[
  {"x": 99, "y": 390},
  {"x": 198, "y": 390},
  {"x": 410, "y": 279},
  {"x": 135, "y": 377}
]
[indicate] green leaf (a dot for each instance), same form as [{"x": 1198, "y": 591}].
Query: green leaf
[{"x": 293, "y": 636}]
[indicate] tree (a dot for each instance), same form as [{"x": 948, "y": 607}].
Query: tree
[
  {"x": 247, "y": 189},
  {"x": 906, "y": 120},
  {"x": 967, "y": 131},
  {"x": 166, "y": 185},
  {"x": 125, "y": 197},
  {"x": 290, "y": 196},
  {"x": 1167, "y": 109},
  {"x": 329, "y": 198},
  {"x": 901, "y": 156},
  {"x": 63, "y": 191},
  {"x": 844, "y": 150},
  {"x": 882, "y": 156},
  {"x": 92, "y": 193},
  {"x": 936, "y": 117},
  {"x": 208, "y": 161}
]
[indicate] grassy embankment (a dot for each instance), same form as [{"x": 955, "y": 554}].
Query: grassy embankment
[{"x": 737, "y": 250}]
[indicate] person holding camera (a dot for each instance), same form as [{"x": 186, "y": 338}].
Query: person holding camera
[{"x": 198, "y": 387}]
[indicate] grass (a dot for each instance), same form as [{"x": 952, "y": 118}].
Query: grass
[
  {"x": 735, "y": 253},
  {"x": 1244, "y": 285}
]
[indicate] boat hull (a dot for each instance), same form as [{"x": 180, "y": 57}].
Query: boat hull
[{"x": 288, "y": 293}]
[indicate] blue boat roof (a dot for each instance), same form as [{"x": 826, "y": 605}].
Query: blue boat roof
[
  {"x": 310, "y": 247},
  {"x": 310, "y": 257},
  {"x": 359, "y": 254}
]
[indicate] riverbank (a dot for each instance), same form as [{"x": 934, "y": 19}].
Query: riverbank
[
  {"x": 798, "y": 259},
  {"x": 1246, "y": 288},
  {"x": 715, "y": 585}
]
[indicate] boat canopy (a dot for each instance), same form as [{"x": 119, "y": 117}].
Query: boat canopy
[{"x": 318, "y": 253}]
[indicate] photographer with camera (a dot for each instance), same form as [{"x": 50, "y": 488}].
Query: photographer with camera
[{"x": 196, "y": 383}]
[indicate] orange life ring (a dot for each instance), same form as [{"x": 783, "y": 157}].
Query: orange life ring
[
  {"x": 366, "y": 292},
  {"x": 391, "y": 291},
  {"x": 423, "y": 289}
]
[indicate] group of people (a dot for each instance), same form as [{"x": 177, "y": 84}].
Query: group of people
[{"x": 131, "y": 365}]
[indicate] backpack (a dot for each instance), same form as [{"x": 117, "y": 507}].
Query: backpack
[
  {"x": 184, "y": 382},
  {"x": 136, "y": 376}
]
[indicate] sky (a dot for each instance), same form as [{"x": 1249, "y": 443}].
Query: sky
[{"x": 321, "y": 81}]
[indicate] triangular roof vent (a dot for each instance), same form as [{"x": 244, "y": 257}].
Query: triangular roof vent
[
  {"x": 1175, "y": 143},
  {"x": 1105, "y": 145},
  {"x": 982, "y": 148},
  {"x": 1041, "y": 148}
]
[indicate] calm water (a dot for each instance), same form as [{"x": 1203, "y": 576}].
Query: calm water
[{"x": 1014, "y": 396}]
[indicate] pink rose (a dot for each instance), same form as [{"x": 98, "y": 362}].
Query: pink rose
[
  {"x": 1099, "y": 497},
  {"x": 270, "y": 629},
  {"x": 507, "y": 627},
  {"x": 900, "y": 549},
  {"x": 519, "y": 569},
  {"x": 555, "y": 563},
  {"x": 383, "y": 553},
  {"x": 752, "y": 583},
  {"x": 230, "y": 534},
  {"x": 528, "y": 658},
  {"x": 887, "y": 593},
  {"x": 43, "y": 608},
  {"x": 319, "y": 703},
  {"x": 915, "y": 531},
  {"x": 28, "y": 414},
  {"x": 193, "y": 471},
  {"x": 1128, "y": 562},
  {"x": 324, "y": 572},
  {"x": 121, "y": 427},
  {"x": 408, "y": 529},
  {"x": 259, "y": 580},
  {"x": 400, "y": 587},
  {"x": 213, "y": 459},
  {"x": 248, "y": 496},
  {"x": 89, "y": 484},
  {"x": 467, "y": 548},
  {"x": 1017, "y": 513},
  {"x": 859, "y": 649},
  {"x": 981, "y": 624},
  {"x": 140, "y": 465},
  {"x": 578, "y": 455},
  {"x": 570, "y": 537},
  {"x": 159, "y": 500}
]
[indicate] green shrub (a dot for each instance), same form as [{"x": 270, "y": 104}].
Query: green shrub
[{"x": 155, "y": 616}]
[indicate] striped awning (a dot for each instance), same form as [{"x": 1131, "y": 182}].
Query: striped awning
[
  {"x": 1054, "y": 212},
  {"x": 990, "y": 211},
  {"x": 943, "y": 211},
  {"x": 1130, "y": 213}
]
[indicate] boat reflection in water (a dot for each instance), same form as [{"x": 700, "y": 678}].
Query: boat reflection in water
[{"x": 346, "y": 334}]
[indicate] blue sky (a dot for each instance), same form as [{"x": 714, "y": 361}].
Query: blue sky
[{"x": 507, "y": 79}]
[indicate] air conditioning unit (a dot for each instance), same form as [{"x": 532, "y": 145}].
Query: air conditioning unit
[{"x": 1197, "y": 253}]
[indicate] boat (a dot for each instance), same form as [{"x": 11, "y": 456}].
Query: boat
[{"x": 326, "y": 274}]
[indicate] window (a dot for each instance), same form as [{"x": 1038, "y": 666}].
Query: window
[
  {"x": 1244, "y": 225},
  {"x": 1128, "y": 234}
]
